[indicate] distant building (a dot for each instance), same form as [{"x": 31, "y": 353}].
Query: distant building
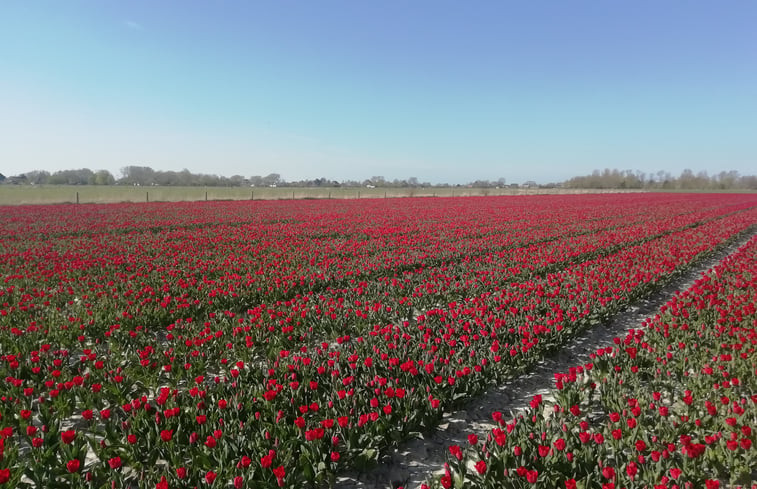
[{"x": 17, "y": 180}]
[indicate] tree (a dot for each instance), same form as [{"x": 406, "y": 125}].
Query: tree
[
  {"x": 271, "y": 179},
  {"x": 166, "y": 178},
  {"x": 663, "y": 179},
  {"x": 183, "y": 178},
  {"x": 236, "y": 180},
  {"x": 83, "y": 176},
  {"x": 687, "y": 179},
  {"x": 137, "y": 175},
  {"x": 727, "y": 179},
  {"x": 748, "y": 182},
  {"x": 38, "y": 177},
  {"x": 104, "y": 177},
  {"x": 2, "y": 177}
]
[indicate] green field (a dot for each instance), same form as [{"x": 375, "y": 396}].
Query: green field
[{"x": 88, "y": 194}]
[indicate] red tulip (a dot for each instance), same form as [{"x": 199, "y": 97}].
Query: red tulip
[
  {"x": 68, "y": 436},
  {"x": 456, "y": 452},
  {"x": 210, "y": 476}
]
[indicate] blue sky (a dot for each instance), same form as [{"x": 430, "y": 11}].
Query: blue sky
[{"x": 444, "y": 91}]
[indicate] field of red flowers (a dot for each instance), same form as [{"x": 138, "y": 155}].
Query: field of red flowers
[
  {"x": 672, "y": 404},
  {"x": 275, "y": 344}
]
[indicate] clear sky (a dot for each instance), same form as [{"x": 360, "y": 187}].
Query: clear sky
[{"x": 445, "y": 91}]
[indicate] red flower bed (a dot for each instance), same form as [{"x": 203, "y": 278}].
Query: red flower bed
[
  {"x": 158, "y": 345},
  {"x": 672, "y": 404}
]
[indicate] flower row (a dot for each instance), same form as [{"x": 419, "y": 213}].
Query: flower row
[{"x": 672, "y": 404}]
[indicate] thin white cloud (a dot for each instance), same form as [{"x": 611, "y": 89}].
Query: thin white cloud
[{"x": 133, "y": 25}]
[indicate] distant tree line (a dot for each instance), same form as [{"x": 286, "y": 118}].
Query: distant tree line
[
  {"x": 605, "y": 179},
  {"x": 84, "y": 176},
  {"x": 146, "y": 176},
  {"x": 687, "y": 180}
]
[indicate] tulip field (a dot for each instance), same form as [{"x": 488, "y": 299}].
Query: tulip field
[
  {"x": 281, "y": 343},
  {"x": 672, "y": 404}
]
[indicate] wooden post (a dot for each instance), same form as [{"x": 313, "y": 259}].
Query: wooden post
[
  {"x": 147, "y": 196},
  {"x": 292, "y": 194},
  {"x": 358, "y": 194},
  {"x": 384, "y": 193},
  {"x": 252, "y": 195},
  {"x": 329, "y": 195},
  {"x": 206, "y": 196},
  {"x": 77, "y": 197}
]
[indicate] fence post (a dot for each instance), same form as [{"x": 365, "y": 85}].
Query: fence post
[
  {"x": 206, "y": 196},
  {"x": 358, "y": 194},
  {"x": 147, "y": 196},
  {"x": 77, "y": 197}
]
